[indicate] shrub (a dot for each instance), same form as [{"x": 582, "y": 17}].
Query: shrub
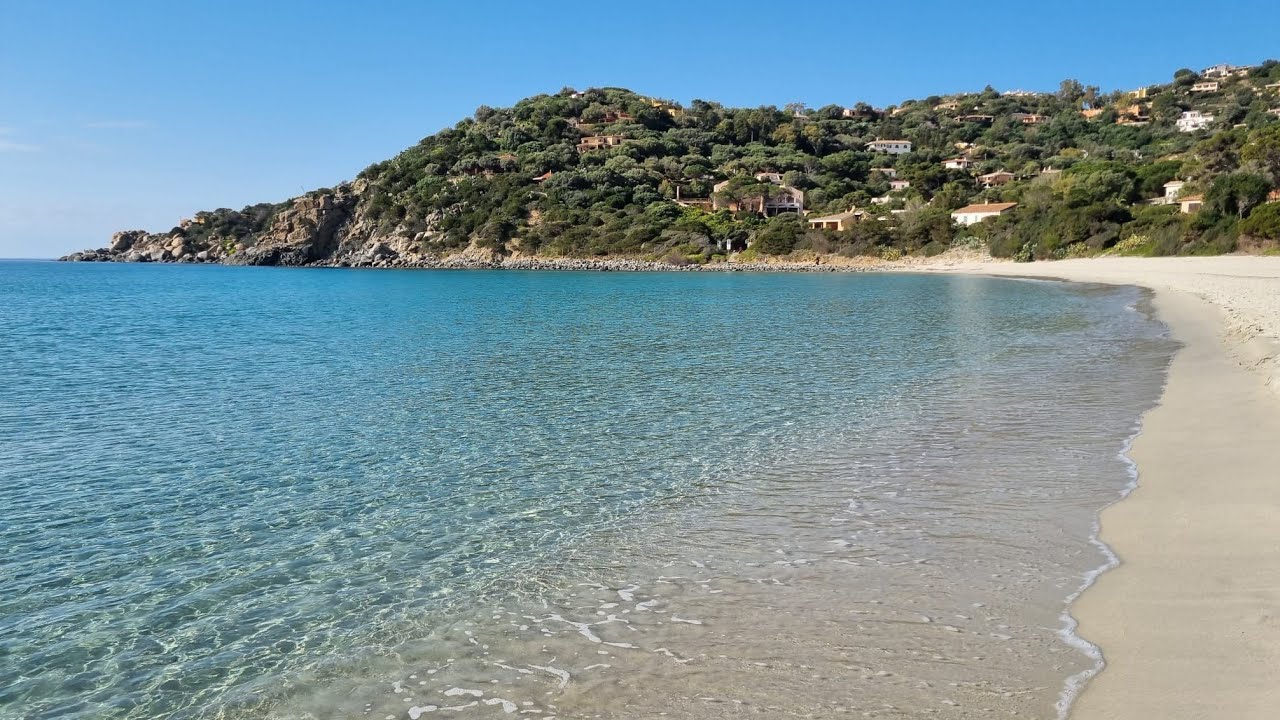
[
  {"x": 1263, "y": 222},
  {"x": 1132, "y": 245}
]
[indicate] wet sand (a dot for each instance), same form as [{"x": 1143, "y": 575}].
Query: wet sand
[{"x": 1188, "y": 622}]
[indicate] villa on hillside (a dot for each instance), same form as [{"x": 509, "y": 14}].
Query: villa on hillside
[
  {"x": 950, "y": 106},
  {"x": 1171, "y": 191},
  {"x": 1191, "y": 203},
  {"x": 1029, "y": 118},
  {"x": 1220, "y": 70},
  {"x": 1091, "y": 113},
  {"x": 956, "y": 163},
  {"x": 983, "y": 119},
  {"x": 1206, "y": 86},
  {"x": 865, "y": 113},
  {"x": 785, "y": 199},
  {"x": 598, "y": 142},
  {"x": 899, "y": 184},
  {"x": 892, "y": 147},
  {"x": 1130, "y": 114},
  {"x": 971, "y": 214},
  {"x": 999, "y": 177},
  {"x": 839, "y": 221},
  {"x": 886, "y": 171},
  {"x": 1193, "y": 120}
]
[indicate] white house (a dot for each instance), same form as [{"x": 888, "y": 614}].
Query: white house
[
  {"x": 971, "y": 214},
  {"x": 956, "y": 163},
  {"x": 1171, "y": 190},
  {"x": 887, "y": 172},
  {"x": 1206, "y": 86},
  {"x": 899, "y": 184},
  {"x": 1220, "y": 70},
  {"x": 893, "y": 147},
  {"x": 1193, "y": 120}
]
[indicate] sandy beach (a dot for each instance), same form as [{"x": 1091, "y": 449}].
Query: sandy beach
[{"x": 1187, "y": 622}]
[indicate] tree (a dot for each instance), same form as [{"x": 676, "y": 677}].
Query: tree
[
  {"x": 953, "y": 196},
  {"x": 1263, "y": 149},
  {"x": 1236, "y": 193},
  {"x": 779, "y": 235},
  {"x": 1071, "y": 92}
]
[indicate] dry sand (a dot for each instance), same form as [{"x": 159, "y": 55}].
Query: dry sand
[{"x": 1188, "y": 623}]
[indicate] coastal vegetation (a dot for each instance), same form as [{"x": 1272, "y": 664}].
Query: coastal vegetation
[{"x": 1180, "y": 168}]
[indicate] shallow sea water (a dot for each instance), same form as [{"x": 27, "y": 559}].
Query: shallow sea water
[{"x": 259, "y": 493}]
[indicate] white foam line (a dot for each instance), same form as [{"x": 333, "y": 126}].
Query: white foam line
[{"x": 1073, "y": 685}]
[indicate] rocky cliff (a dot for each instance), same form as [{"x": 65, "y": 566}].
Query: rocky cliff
[{"x": 323, "y": 228}]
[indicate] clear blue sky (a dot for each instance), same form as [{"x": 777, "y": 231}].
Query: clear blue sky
[{"x": 124, "y": 114}]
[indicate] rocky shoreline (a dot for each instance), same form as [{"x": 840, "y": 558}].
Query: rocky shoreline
[
  {"x": 328, "y": 229},
  {"x": 383, "y": 258}
]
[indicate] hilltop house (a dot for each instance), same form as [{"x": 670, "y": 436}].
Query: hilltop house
[
  {"x": 839, "y": 221},
  {"x": 1223, "y": 70},
  {"x": 892, "y": 147},
  {"x": 784, "y": 199},
  {"x": 956, "y": 163},
  {"x": 1029, "y": 118},
  {"x": 860, "y": 113},
  {"x": 1193, "y": 120},
  {"x": 1206, "y": 86},
  {"x": 971, "y": 214},
  {"x": 999, "y": 177},
  {"x": 598, "y": 142},
  {"x": 950, "y": 106}
]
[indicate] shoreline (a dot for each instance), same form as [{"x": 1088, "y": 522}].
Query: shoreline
[{"x": 1185, "y": 621}]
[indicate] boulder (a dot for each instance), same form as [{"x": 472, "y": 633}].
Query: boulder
[{"x": 125, "y": 240}]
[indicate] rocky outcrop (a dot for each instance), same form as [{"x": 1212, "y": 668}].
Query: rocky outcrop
[
  {"x": 328, "y": 229},
  {"x": 308, "y": 232}
]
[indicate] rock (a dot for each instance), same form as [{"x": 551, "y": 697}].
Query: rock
[
  {"x": 202, "y": 256},
  {"x": 125, "y": 240}
]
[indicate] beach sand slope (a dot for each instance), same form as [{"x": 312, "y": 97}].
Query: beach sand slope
[{"x": 1188, "y": 622}]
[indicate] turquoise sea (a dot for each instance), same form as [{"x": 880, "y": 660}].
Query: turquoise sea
[{"x": 254, "y": 492}]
